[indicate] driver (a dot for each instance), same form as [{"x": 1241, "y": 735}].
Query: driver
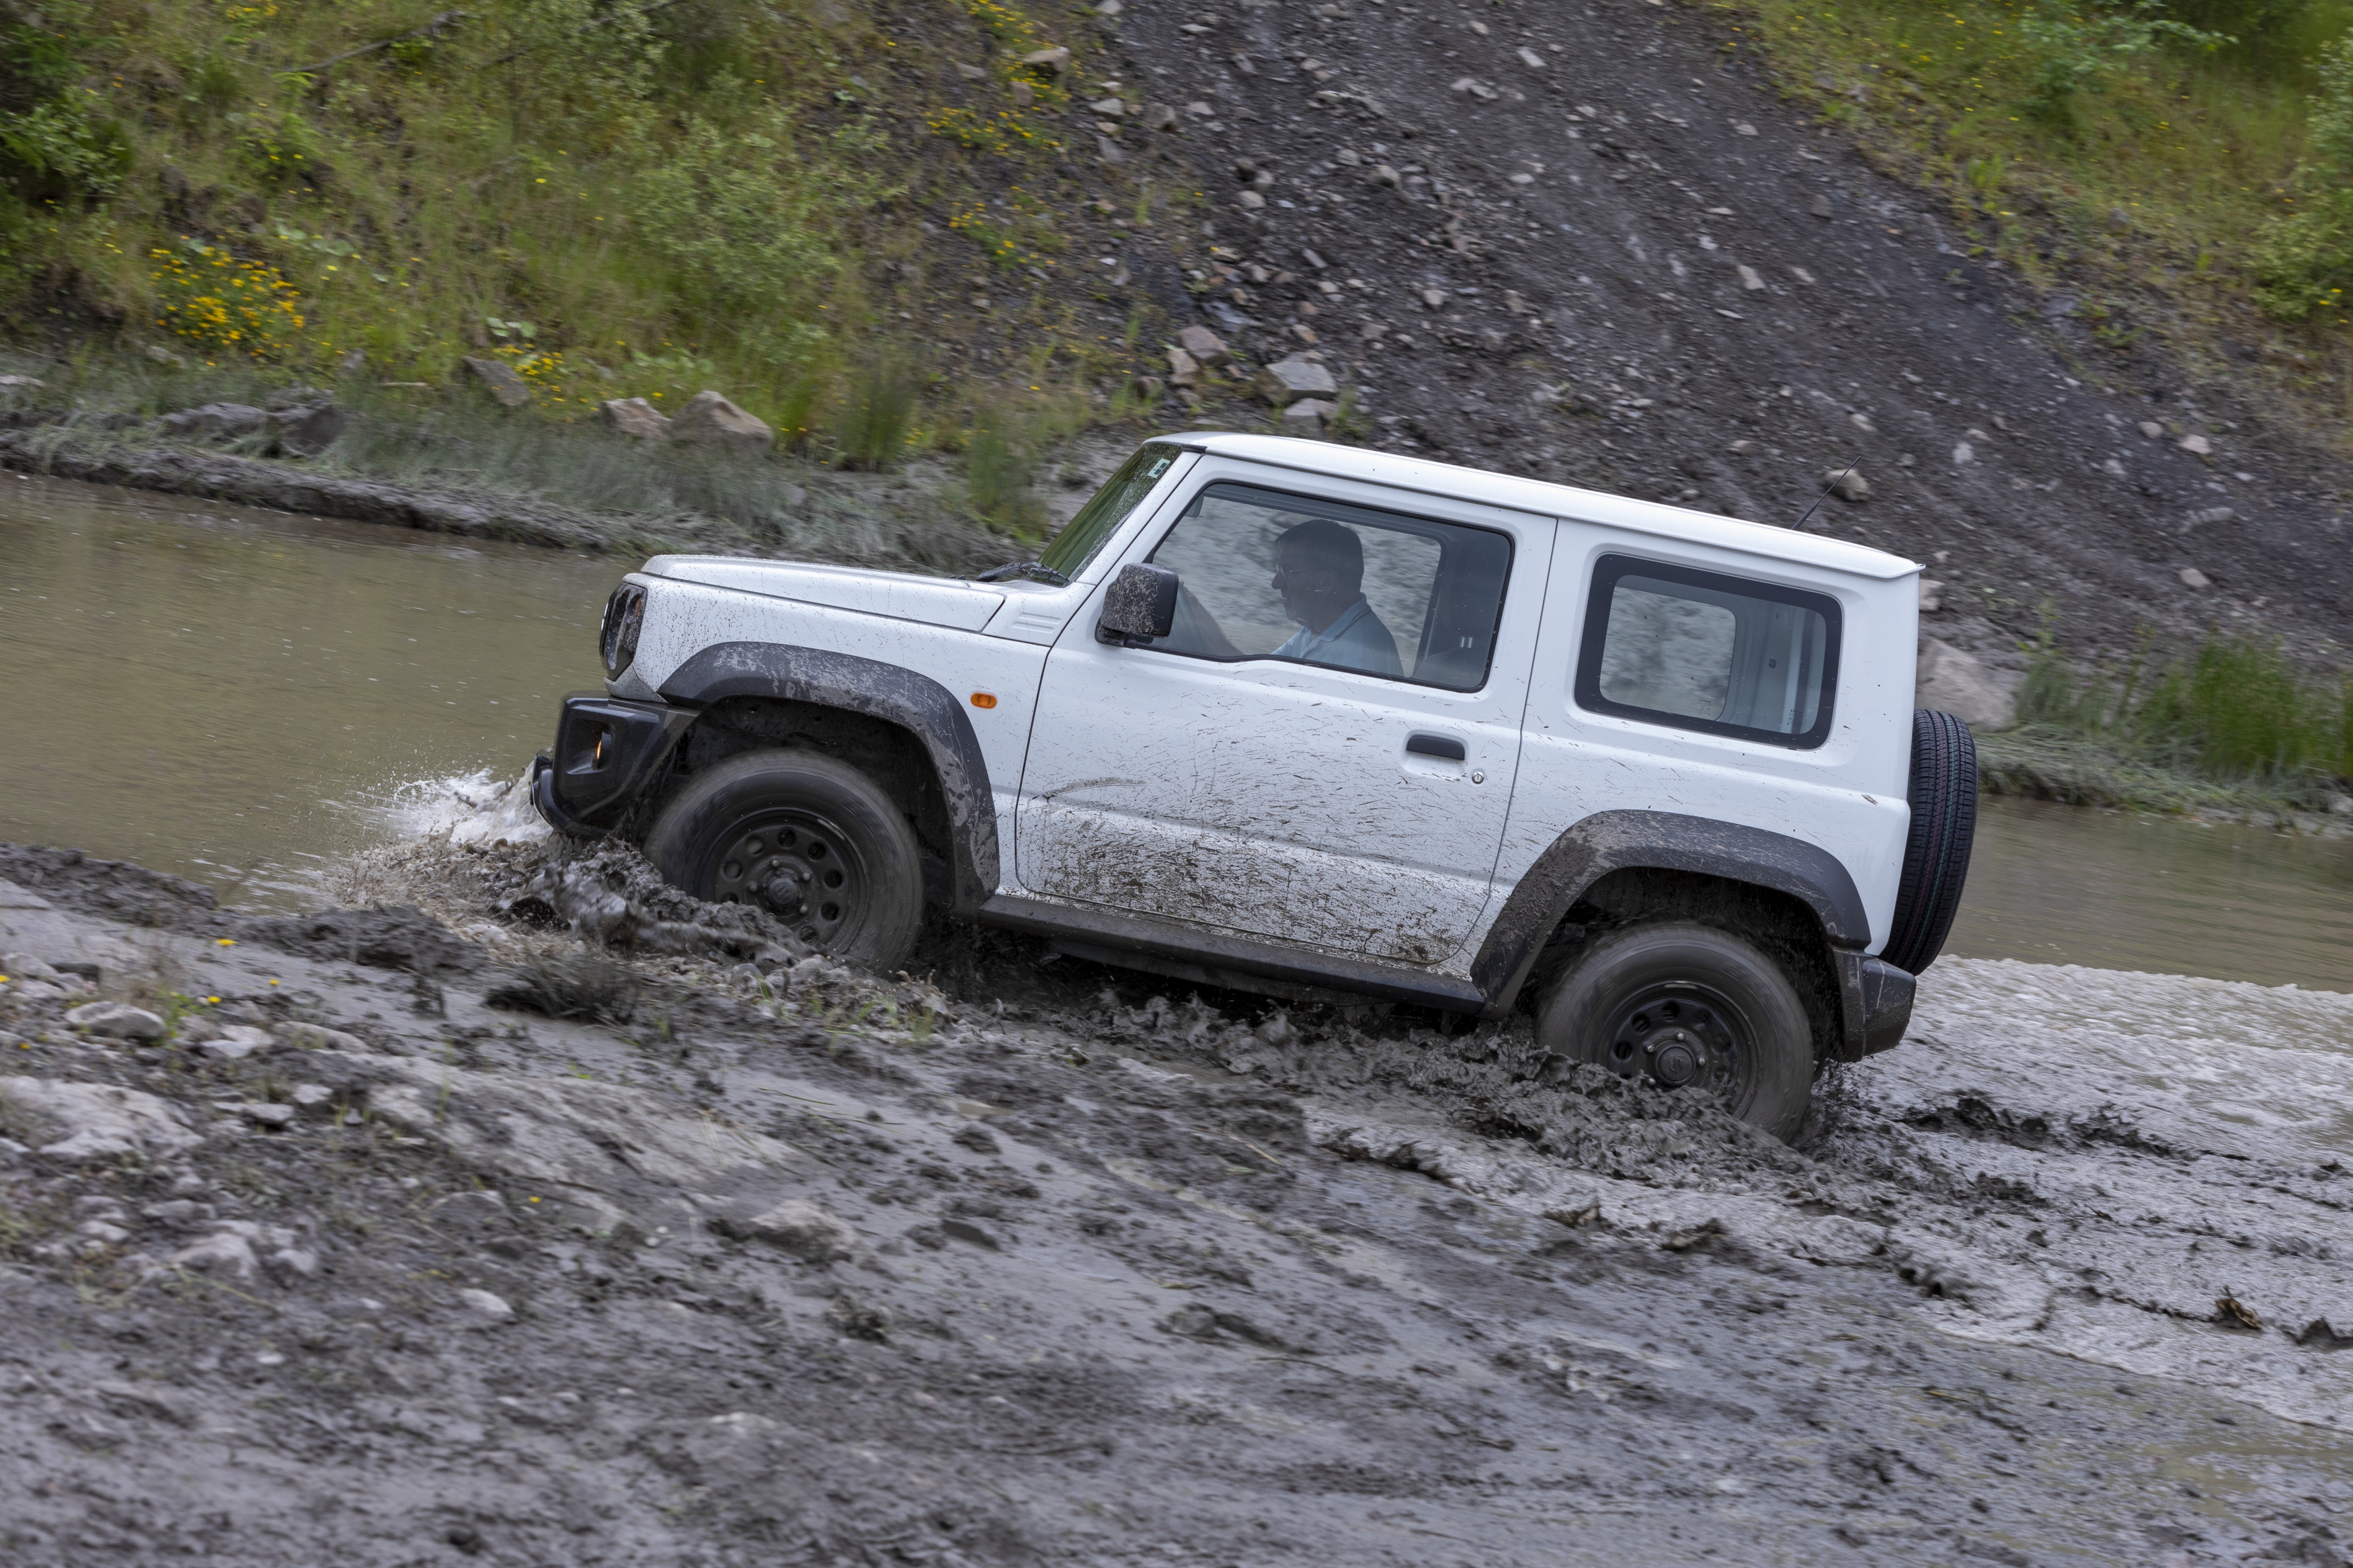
[{"x": 1319, "y": 570}]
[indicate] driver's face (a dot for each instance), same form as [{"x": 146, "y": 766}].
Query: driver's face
[{"x": 1303, "y": 584}]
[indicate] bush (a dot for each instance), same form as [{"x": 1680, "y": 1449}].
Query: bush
[
  {"x": 2304, "y": 262},
  {"x": 999, "y": 467},
  {"x": 2083, "y": 48},
  {"x": 871, "y": 426}
]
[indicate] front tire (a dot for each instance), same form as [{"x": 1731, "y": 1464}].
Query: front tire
[
  {"x": 811, "y": 840},
  {"x": 1688, "y": 1006}
]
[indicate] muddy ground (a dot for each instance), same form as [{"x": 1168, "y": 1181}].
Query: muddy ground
[{"x": 754, "y": 1259}]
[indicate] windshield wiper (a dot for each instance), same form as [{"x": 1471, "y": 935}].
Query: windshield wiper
[{"x": 1037, "y": 569}]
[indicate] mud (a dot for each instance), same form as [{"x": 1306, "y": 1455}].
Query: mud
[{"x": 1026, "y": 1261}]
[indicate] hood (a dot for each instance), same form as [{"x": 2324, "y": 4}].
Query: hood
[{"x": 901, "y": 595}]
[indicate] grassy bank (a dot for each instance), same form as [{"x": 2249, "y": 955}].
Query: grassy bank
[
  {"x": 2172, "y": 172},
  {"x": 618, "y": 198},
  {"x": 2230, "y": 725}
]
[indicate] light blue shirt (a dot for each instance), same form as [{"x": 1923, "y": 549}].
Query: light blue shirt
[{"x": 1357, "y": 640}]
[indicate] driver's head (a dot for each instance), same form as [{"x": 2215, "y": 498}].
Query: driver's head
[{"x": 1319, "y": 565}]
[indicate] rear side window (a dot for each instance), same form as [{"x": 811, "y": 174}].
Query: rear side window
[{"x": 1700, "y": 650}]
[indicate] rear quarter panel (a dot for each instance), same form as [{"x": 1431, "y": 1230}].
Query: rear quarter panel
[{"x": 1846, "y": 795}]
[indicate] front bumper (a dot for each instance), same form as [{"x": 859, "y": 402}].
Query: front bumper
[{"x": 607, "y": 752}]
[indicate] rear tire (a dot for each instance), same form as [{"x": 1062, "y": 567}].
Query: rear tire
[
  {"x": 1943, "y": 795},
  {"x": 811, "y": 840},
  {"x": 1688, "y": 1006}
]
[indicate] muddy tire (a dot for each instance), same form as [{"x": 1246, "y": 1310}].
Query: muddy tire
[
  {"x": 1692, "y": 1007},
  {"x": 1944, "y": 795},
  {"x": 811, "y": 840}
]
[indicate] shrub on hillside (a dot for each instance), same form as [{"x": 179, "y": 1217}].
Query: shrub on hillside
[{"x": 2304, "y": 262}]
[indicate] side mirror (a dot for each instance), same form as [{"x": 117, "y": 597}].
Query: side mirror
[{"x": 1141, "y": 602}]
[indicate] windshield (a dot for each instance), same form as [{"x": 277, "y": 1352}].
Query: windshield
[{"x": 1106, "y": 510}]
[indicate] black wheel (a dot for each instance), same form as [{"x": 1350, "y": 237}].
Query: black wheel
[
  {"x": 811, "y": 840},
  {"x": 1691, "y": 1007},
  {"x": 1944, "y": 795}
]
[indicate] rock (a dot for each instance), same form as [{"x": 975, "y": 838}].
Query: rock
[
  {"x": 965, "y": 1231},
  {"x": 263, "y": 1114},
  {"x": 800, "y": 1227},
  {"x": 1749, "y": 280},
  {"x": 1819, "y": 206},
  {"x": 2193, "y": 578},
  {"x": 178, "y": 1212},
  {"x": 1963, "y": 454},
  {"x": 711, "y": 420},
  {"x": 292, "y": 1263},
  {"x": 25, "y": 966},
  {"x": 307, "y": 432},
  {"x": 1932, "y": 596},
  {"x": 105, "y": 1232},
  {"x": 473, "y": 1211},
  {"x": 1109, "y": 152},
  {"x": 19, "y": 382},
  {"x": 1287, "y": 381},
  {"x": 1475, "y": 88},
  {"x": 215, "y": 421},
  {"x": 1384, "y": 173},
  {"x": 1533, "y": 60},
  {"x": 1204, "y": 345},
  {"x": 1184, "y": 370},
  {"x": 486, "y": 1307},
  {"x": 2211, "y": 515},
  {"x": 1159, "y": 117},
  {"x": 227, "y": 1253},
  {"x": 1848, "y": 485},
  {"x": 2196, "y": 446},
  {"x": 1251, "y": 202},
  {"x": 146, "y": 1399},
  {"x": 501, "y": 382},
  {"x": 1051, "y": 61},
  {"x": 316, "y": 1038},
  {"x": 1964, "y": 686},
  {"x": 970, "y": 73},
  {"x": 309, "y": 1096},
  {"x": 851, "y": 1316},
  {"x": 2152, "y": 429},
  {"x": 1743, "y": 447},
  {"x": 235, "y": 1042},
  {"x": 116, "y": 1021},
  {"x": 1306, "y": 416},
  {"x": 1745, "y": 129},
  {"x": 634, "y": 416},
  {"x": 2113, "y": 468}
]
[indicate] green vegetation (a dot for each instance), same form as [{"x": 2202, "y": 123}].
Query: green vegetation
[
  {"x": 2188, "y": 165},
  {"x": 2231, "y": 722},
  {"x": 616, "y": 197}
]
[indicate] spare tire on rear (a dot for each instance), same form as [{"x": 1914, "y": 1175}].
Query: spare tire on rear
[{"x": 1944, "y": 795}]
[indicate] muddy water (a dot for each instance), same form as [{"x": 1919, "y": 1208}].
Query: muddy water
[{"x": 239, "y": 696}]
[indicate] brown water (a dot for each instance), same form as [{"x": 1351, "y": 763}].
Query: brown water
[{"x": 241, "y": 696}]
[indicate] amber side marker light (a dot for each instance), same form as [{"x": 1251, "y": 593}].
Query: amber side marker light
[{"x": 983, "y": 700}]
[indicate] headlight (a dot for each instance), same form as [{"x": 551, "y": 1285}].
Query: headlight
[{"x": 625, "y": 617}]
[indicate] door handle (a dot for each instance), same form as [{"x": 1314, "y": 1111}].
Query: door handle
[{"x": 1421, "y": 743}]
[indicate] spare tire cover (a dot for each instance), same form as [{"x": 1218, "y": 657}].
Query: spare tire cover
[{"x": 1944, "y": 797}]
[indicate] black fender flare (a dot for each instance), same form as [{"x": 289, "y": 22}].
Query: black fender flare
[
  {"x": 1663, "y": 840},
  {"x": 916, "y": 703}
]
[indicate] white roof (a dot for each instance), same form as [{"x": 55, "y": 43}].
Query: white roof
[{"x": 1549, "y": 501}]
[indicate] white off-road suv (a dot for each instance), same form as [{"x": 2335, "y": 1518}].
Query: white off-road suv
[{"x": 1303, "y": 718}]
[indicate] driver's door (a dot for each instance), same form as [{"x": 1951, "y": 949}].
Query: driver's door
[{"x": 1205, "y": 778}]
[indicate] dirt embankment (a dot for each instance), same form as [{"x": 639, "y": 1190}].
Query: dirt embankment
[
  {"x": 1594, "y": 243},
  {"x": 753, "y": 1259}
]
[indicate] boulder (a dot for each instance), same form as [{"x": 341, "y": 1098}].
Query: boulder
[
  {"x": 1286, "y": 381},
  {"x": 1306, "y": 417},
  {"x": 499, "y": 378},
  {"x": 1052, "y": 62},
  {"x": 799, "y": 1228},
  {"x": 116, "y": 1021},
  {"x": 1204, "y": 345},
  {"x": 710, "y": 420},
  {"x": 1965, "y": 686},
  {"x": 634, "y": 416},
  {"x": 307, "y": 432},
  {"x": 1848, "y": 484}
]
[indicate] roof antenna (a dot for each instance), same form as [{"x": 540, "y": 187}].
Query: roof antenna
[{"x": 1826, "y": 492}]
